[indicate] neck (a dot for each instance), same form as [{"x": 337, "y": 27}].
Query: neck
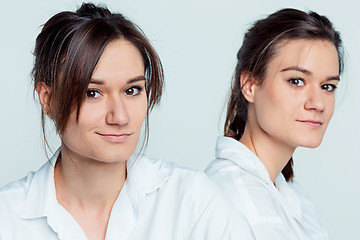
[
  {"x": 87, "y": 184},
  {"x": 273, "y": 153}
]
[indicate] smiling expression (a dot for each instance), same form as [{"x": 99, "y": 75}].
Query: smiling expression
[
  {"x": 114, "y": 109},
  {"x": 295, "y": 102}
]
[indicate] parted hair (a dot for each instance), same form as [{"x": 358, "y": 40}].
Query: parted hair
[
  {"x": 259, "y": 45},
  {"x": 68, "y": 49}
]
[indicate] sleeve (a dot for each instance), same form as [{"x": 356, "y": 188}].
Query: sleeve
[{"x": 216, "y": 220}]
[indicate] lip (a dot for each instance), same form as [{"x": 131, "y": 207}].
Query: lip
[
  {"x": 115, "y": 138},
  {"x": 311, "y": 123}
]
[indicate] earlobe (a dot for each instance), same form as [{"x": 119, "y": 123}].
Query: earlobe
[
  {"x": 43, "y": 91},
  {"x": 247, "y": 84}
]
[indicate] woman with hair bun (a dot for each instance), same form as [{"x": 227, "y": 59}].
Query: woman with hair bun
[
  {"x": 282, "y": 97},
  {"x": 97, "y": 78}
]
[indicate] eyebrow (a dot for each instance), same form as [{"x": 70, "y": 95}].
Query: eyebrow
[
  {"x": 132, "y": 80},
  {"x": 307, "y": 72}
]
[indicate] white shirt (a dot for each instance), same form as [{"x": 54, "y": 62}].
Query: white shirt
[
  {"x": 158, "y": 201},
  {"x": 280, "y": 211}
]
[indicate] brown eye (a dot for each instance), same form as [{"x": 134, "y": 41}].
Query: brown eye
[
  {"x": 298, "y": 82},
  {"x": 133, "y": 91},
  {"x": 92, "y": 94},
  {"x": 328, "y": 87},
  {"x": 130, "y": 91}
]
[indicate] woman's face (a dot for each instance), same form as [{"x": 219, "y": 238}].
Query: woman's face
[
  {"x": 114, "y": 109},
  {"x": 295, "y": 102}
]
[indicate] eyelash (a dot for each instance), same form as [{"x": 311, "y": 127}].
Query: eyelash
[
  {"x": 323, "y": 87},
  {"x": 292, "y": 81},
  {"x": 92, "y": 90},
  {"x": 137, "y": 87},
  {"x": 329, "y": 85},
  {"x": 96, "y": 91}
]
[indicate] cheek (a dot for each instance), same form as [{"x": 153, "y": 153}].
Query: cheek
[
  {"x": 276, "y": 111},
  {"x": 273, "y": 107},
  {"x": 138, "y": 111},
  {"x": 71, "y": 125},
  {"x": 330, "y": 107},
  {"x": 72, "y": 133},
  {"x": 90, "y": 116}
]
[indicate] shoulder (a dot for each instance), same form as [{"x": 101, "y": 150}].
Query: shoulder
[
  {"x": 222, "y": 168},
  {"x": 169, "y": 167},
  {"x": 211, "y": 211},
  {"x": 183, "y": 178},
  {"x": 16, "y": 191},
  {"x": 12, "y": 198},
  {"x": 231, "y": 177},
  {"x": 243, "y": 189},
  {"x": 180, "y": 184},
  {"x": 177, "y": 185}
]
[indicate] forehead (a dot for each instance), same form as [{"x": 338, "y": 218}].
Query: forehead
[
  {"x": 316, "y": 56},
  {"x": 120, "y": 60}
]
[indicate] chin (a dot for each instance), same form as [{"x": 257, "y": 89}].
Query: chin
[
  {"x": 110, "y": 156},
  {"x": 113, "y": 158},
  {"x": 311, "y": 146},
  {"x": 310, "y": 143}
]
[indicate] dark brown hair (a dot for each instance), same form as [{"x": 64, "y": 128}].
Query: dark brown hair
[
  {"x": 258, "y": 48},
  {"x": 68, "y": 49}
]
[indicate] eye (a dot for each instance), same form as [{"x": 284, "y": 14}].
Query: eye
[
  {"x": 133, "y": 91},
  {"x": 329, "y": 87},
  {"x": 92, "y": 94},
  {"x": 297, "y": 82}
]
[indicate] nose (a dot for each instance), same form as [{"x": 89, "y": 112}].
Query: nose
[
  {"x": 315, "y": 100},
  {"x": 117, "y": 113}
]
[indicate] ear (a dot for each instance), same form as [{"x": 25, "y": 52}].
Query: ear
[
  {"x": 44, "y": 96},
  {"x": 248, "y": 85}
]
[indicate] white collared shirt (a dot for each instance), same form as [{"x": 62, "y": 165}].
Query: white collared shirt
[
  {"x": 280, "y": 211},
  {"x": 158, "y": 201}
]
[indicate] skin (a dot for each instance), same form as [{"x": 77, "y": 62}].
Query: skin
[
  {"x": 294, "y": 104},
  {"x": 94, "y": 149}
]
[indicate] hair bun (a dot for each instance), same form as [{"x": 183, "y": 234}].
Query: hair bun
[{"x": 89, "y": 10}]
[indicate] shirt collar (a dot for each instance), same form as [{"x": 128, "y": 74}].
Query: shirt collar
[
  {"x": 233, "y": 150},
  {"x": 144, "y": 176},
  {"x": 41, "y": 195},
  {"x": 290, "y": 196}
]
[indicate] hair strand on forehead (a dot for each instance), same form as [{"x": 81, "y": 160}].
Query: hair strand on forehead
[{"x": 68, "y": 49}]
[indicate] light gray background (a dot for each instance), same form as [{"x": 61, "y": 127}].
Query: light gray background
[{"x": 197, "y": 42}]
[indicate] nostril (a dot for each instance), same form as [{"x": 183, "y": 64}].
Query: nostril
[{"x": 315, "y": 103}]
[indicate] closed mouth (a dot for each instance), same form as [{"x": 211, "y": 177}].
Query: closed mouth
[
  {"x": 114, "y": 137},
  {"x": 311, "y": 123}
]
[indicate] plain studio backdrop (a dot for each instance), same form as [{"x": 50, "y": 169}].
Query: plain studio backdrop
[{"x": 197, "y": 42}]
